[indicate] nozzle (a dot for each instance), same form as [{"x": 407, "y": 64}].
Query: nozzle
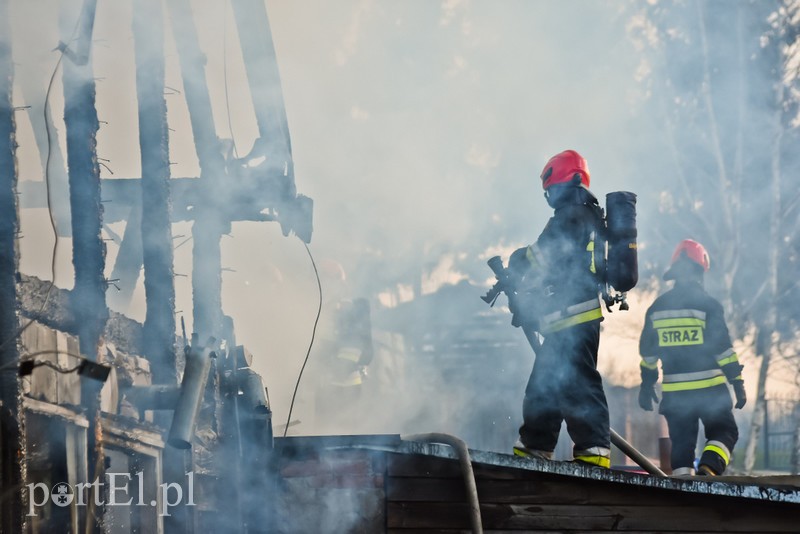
[{"x": 496, "y": 265}]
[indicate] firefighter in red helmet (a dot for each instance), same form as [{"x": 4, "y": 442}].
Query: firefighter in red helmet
[
  {"x": 557, "y": 294},
  {"x": 685, "y": 328}
]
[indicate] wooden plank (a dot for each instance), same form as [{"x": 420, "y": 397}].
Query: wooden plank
[
  {"x": 760, "y": 518},
  {"x": 415, "y": 465},
  {"x": 506, "y": 531},
  {"x": 549, "y": 490}
]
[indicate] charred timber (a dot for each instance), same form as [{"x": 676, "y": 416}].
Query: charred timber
[
  {"x": 11, "y": 438},
  {"x": 88, "y": 249},
  {"x": 156, "y": 226},
  {"x": 209, "y": 225},
  {"x": 263, "y": 77},
  {"x": 88, "y": 298}
]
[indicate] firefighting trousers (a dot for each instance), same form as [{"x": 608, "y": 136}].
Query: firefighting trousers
[
  {"x": 566, "y": 386},
  {"x": 684, "y": 410}
]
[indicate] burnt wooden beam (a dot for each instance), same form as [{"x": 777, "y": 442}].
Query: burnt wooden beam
[
  {"x": 88, "y": 248},
  {"x": 209, "y": 225},
  {"x": 12, "y": 449},
  {"x": 156, "y": 225},
  {"x": 154, "y": 237},
  {"x": 88, "y": 298},
  {"x": 263, "y": 77},
  {"x": 249, "y": 199},
  {"x": 129, "y": 259}
]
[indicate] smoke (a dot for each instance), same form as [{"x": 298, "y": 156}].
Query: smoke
[{"x": 419, "y": 129}]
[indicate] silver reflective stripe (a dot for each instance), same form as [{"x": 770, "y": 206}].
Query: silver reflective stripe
[
  {"x": 650, "y": 360},
  {"x": 575, "y": 309},
  {"x": 688, "y": 377},
  {"x": 678, "y": 314},
  {"x": 682, "y": 471},
  {"x": 711, "y": 444},
  {"x": 593, "y": 451},
  {"x": 725, "y": 355}
]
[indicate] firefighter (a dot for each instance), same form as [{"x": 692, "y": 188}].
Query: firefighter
[
  {"x": 557, "y": 294},
  {"x": 343, "y": 353},
  {"x": 685, "y": 328}
]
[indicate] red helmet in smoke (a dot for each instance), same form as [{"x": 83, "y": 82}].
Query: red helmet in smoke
[
  {"x": 690, "y": 250},
  {"x": 333, "y": 280},
  {"x": 694, "y": 251},
  {"x": 332, "y": 270},
  {"x": 563, "y": 168}
]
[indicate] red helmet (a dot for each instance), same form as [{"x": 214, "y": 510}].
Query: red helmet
[
  {"x": 563, "y": 167},
  {"x": 694, "y": 251}
]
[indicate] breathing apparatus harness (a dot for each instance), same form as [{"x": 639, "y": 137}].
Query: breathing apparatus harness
[{"x": 615, "y": 238}]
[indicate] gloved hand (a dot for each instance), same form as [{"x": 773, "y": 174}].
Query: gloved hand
[
  {"x": 647, "y": 394},
  {"x": 741, "y": 396}
]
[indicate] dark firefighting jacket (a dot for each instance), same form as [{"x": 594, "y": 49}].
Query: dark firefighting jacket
[
  {"x": 557, "y": 277},
  {"x": 685, "y": 328},
  {"x": 352, "y": 349}
]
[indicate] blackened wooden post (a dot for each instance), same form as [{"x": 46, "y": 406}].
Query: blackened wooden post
[
  {"x": 156, "y": 226},
  {"x": 88, "y": 297},
  {"x": 88, "y": 249},
  {"x": 155, "y": 229},
  {"x": 12, "y": 447},
  {"x": 209, "y": 226},
  {"x": 263, "y": 77},
  {"x": 209, "y": 223}
]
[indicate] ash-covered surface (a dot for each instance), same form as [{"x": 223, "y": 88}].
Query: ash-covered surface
[
  {"x": 53, "y": 309},
  {"x": 775, "y": 489}
]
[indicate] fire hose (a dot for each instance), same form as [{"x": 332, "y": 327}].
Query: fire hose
[{"x": 462, "y": 452}]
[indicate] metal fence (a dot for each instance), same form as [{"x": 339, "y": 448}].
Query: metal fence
[{"x": 780, "y": 424}]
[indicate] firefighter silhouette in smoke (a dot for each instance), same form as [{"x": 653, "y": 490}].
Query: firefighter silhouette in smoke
[
  {"x": 345, "y": 352},
  {"x": 556, "y": 283},
  {"x": 685, "y": 328}
]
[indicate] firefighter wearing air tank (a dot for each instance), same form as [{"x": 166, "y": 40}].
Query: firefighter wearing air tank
[
  {"x": 685, "y": 328},
  {"x": 556, "y": 285}
]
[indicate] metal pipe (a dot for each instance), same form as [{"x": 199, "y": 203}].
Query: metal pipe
[
  {"x": 462, "y": 452},
  {"x": 631, "y": 452},
  {"x": 198, "y": 364}
]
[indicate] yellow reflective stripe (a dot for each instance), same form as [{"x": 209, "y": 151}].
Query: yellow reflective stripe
[
  {"x": 696, "y": 384},
  {"x": 350, "y": 354},
  {"x": 649, "y": 365},
  {"x": 601, "y": 461},
  {"x": 590, "y": 248},
  {"x": 584, "y": 317},
  {"x": 726, "y": 361},
  {"x": 676, "y": 322},
  {"x": 723, "y": 454},
  {"x": 353, "y": 379},
  {"x": 534, "y": 255}
]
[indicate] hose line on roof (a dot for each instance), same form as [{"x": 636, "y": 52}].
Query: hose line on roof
[{"x": 462, "y": 452}]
